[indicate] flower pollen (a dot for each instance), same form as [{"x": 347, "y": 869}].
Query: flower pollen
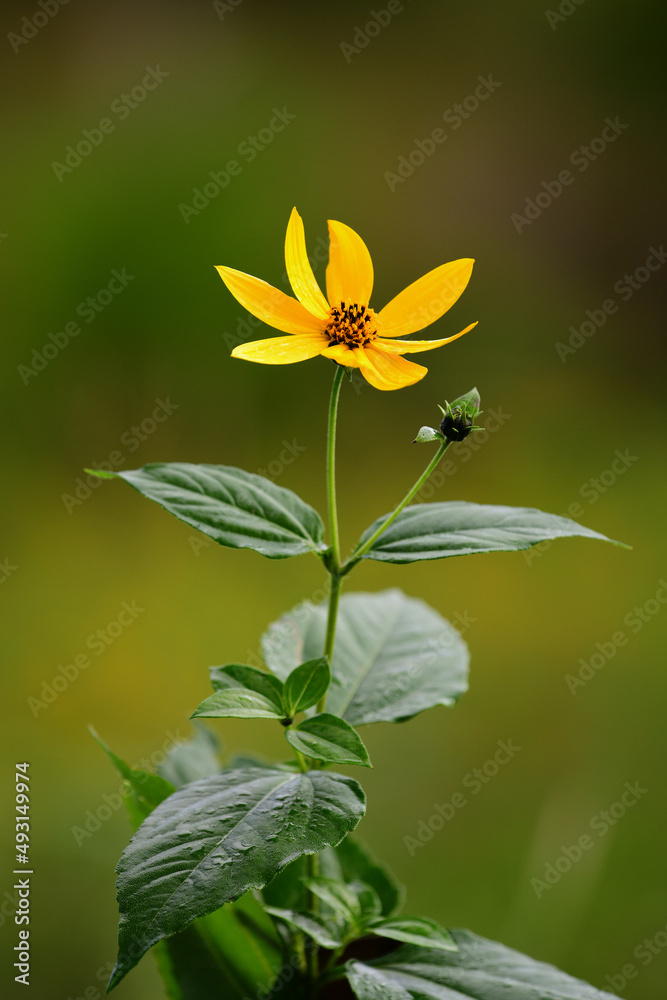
[{"x": 351, "y": 324}]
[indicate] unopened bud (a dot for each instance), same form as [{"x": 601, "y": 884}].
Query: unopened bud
[{"x": 459, "y": 416}]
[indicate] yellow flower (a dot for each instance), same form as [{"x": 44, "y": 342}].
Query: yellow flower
[{"x": 345, "y": 328}]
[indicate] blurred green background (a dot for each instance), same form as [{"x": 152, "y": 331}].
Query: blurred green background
[{"x": 361, "y": 88}]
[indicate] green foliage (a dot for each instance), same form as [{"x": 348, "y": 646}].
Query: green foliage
[
  {"x": 306, "y": 685},
  {"x": 235, "y": 508},
  {"x": 216, "y": 838},
  {"x": 143, "y": 791},
  {"x": 480, "y": 970},
  {"x": 329, "y": 738},
  {"x": 414, "y": 930},
  {"x": 377, "y": 635},
  {"x": 195, "y": 758},
  {"x": 439, "y": 530},
  {"x": 208, "y": 838},
  {"x": 242, "y": 692},
  {"x": 352, "y": 861}
]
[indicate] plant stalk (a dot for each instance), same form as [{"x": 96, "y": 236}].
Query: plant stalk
[{"x": 361, "y": 550}]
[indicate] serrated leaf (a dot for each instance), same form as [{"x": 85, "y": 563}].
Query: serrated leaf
[
  {"x": 329, "y": 738},
  {"x": 377, "y": 636},
  {"x": 439, "y": 530},
  {"x": 215, "y": 839},
  {"x": 233, "y": 507},
  {"x": 242, "y": 692},
  {"x": 414, "y": 930},
  {"x": 306, "y": 685},
  {"x": 193, "y": 759},
  {"x": 145, "y": 791},
  {"x": 480, "y": 970}
]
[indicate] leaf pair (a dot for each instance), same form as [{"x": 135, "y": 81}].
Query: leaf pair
[
  {"x": 244, "y": 510},
  {"x": 349, "y": 911},
  {"x": 243, "y": 692}
]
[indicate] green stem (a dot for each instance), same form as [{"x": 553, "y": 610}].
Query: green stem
[
  {"x": 335, "y": 581},
  {"x": 331, "y": 468},
  {"x": 333, "y": 566},
  {"x": 361, "y": 550}
]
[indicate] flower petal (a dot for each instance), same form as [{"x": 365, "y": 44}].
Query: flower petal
[
  {"x": 281, "y": 350},
  {"x": 388, "y": 371},
  {"x": 350, "y": 268},
  {"x": 414, "y": 346},
  {"x": 426, "y": 299},
  {"x": 300, "y": 272},
  {"x": 269, "y": 304},
  {"x": 343, "y": 354}
]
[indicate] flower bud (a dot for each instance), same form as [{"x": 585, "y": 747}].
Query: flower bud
[
  {"x": 427, "y": 434},
  {"x": 459, "y": 416}
]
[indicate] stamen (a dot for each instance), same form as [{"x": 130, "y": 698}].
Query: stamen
[{"x": 352, "y": 324}]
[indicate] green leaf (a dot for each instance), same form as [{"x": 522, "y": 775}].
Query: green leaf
[
  {"x": 369, "y": 901},
  {"x": 244, "y": 943},
  {"x": 481, "y": 970},
  {"x": 306, "y": 685},
  {"x": 232, "y": 953},
  {"x": 235, "y": 508},
  {"x": 329, "y": 738},
  {"x": 214, "y": 839},
  {"x": 356, "y": 863},
  {"x": 144, "y": 792},
  {"x": 394, "y": 655},
  {"x": 242, "y": 692},
  {"x": 195, "y": 758},
  {"x": 337, "y": 896},
  {"x": 324, "y": 932},
  {"x": 439, "y": 530},
  {"x": 414, "y": 930}
]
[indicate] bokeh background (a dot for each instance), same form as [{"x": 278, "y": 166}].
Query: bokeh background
[{"x": 354, "y": 101}]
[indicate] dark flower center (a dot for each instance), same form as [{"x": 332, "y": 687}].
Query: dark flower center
[{"x": 351, "y": 324}]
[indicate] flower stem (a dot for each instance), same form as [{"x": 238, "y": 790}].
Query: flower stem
[
  {"x": 331, "y": 468},
  {"x": 335, "y": 579},
  {"x": 361, "y": 550}
]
